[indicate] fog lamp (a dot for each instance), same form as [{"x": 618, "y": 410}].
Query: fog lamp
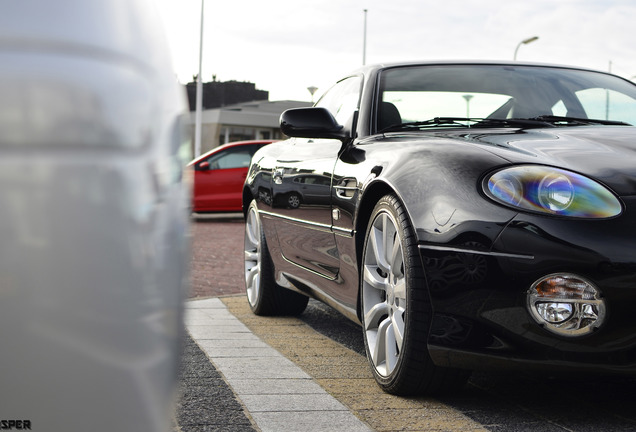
[{"x": 566, "y": 304}]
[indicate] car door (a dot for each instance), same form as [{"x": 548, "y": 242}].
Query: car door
[
  {"x": 302, "y": 184},
  {"x": 219, "y": 179},
  {"x": 304, "y": 230}
]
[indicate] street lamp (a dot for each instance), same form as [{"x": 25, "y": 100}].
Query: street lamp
[
  {"x": 312, "y": 90},
  {"x": 524, "y": 42},
  {"x": 468, "y": 97},
  {"x": 199, "y": 95},
  {"x": 364, "y": 40}
]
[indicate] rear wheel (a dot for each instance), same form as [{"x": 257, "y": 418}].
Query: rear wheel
[
  {"x": 293, "y": 200},
  {"x": 396, "y": 308},
  {"x": 264, "y": 295}
]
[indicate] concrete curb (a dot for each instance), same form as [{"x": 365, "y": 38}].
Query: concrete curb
[
  {"x": 279, "y": 396},
  {"x": 291, "y": 378}
]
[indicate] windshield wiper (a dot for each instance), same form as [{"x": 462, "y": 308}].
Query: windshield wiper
[
  {"x": 545, "y": 121},
  {"x": 466, "y": 122},
  {"x": 434, "y": 122},
  {"x": 513, "y": 122},
  {"x": 577, "y": 121},
  {"x": 472, "y": 122}
]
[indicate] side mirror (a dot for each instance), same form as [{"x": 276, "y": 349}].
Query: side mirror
[
  {"x": 205, "y": 165},
  {"x": 311, "y": 122}
]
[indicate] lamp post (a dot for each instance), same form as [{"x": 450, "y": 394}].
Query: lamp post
[
  {"x": 524, "y": 42},
  {"x": 468, "y": 97},
  {"x": 199, "y": 98},
  {"x": 312, "y": 90},
  {"x": 364, "y": 40}
]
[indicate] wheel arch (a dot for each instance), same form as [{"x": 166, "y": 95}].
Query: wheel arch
[{"x": 372, "y": 194}]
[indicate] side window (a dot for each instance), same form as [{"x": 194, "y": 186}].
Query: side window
[
  {"x": 342, "y": 99},
  {"x": 236, "y": 157},
  {"x": 314, "y": 180}
]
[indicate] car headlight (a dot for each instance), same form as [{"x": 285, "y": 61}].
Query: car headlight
[{"x": 544, "y": 189}]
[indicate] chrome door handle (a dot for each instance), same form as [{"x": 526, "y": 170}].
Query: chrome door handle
[{"x": 346, "y": 188}]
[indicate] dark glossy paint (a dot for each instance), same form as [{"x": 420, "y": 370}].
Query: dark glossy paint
[{"x": 479, "y": 257}]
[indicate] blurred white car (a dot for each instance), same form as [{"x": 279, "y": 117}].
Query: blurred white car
[{"x": 93, "y": 216}]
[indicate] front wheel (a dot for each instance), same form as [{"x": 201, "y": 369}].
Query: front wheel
[
  {"x": 264, "y": 295},
  {"x": 396, "y": 311}
]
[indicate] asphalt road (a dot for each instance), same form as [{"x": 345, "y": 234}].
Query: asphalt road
[{"x": 497, "y": 401}]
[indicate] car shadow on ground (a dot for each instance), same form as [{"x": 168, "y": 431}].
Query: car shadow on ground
[{"x": 519, "y": 401}]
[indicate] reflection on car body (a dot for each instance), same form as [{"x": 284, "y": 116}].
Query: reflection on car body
[
  {"x": 478, "y": 215},
  {"x": 298, "y": 188}
]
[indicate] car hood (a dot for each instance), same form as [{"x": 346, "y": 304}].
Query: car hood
[{"x": 605, "y": 153}]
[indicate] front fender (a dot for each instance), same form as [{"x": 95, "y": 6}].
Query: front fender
[{"x": 439, "y": 183}]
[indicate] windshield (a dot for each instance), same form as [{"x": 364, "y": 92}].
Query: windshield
[{"x": 416, "y": 94}]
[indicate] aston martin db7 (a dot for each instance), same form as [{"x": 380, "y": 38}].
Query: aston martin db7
[{"x": 471, "y": 216}]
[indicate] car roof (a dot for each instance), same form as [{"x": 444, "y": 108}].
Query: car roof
[
  {"x": 388, "y": 65},
  {"x": 228, "y": 145}
]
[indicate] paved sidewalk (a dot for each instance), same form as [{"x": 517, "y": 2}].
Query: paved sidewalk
[
  {"x": 291, "y": 378},
  {"x": 278, "y": 395},
  {"x": 206, "y": 403},
  {"x": 217, "y": 255}
]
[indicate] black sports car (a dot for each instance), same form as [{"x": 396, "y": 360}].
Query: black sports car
[{"x": 474, "y": 215}]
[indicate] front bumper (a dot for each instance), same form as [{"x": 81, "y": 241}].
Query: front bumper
[{"x": 479, "y": 288}]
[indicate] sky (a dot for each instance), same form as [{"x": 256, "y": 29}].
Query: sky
[{"x": 286, "y": 46}]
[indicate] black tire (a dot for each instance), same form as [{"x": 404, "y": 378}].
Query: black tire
[
  {"x": 264, "y": 295},
  {"x": 396, "y": 310},
  {"x": 293, "y": 200}
]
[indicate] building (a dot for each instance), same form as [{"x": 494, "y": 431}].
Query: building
[
  {"x": 217, "y": 94},
  {"x": 244, "y": 121},
  {"x": 236, "y": 111},
  {"x": 249, "y": 116}
]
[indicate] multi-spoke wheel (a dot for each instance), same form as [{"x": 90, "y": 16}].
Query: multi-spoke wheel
[
  {"x": 396, "y": 311},
  {"x": 384, "y": 292},
  {"x": 253, "y": 256},
  {"x": 263, "y": 294},
  {"x": 293, "y": 200}
]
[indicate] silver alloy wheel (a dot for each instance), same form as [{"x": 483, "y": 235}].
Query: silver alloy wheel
[
  {"x": 384, "y": 293},
  {"x": 293, "y": 201},
  {"x": 253, "y": 255}
]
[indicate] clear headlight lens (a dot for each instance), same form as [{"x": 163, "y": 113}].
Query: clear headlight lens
[{"x": 550, "y": 190}]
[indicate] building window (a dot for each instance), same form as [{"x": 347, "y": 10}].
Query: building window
[
  {"x": 234, "y": 133},
  {"x": 231, "y": 134}
]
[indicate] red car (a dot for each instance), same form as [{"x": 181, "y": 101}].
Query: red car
[{"x": 219, "y": 176}]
